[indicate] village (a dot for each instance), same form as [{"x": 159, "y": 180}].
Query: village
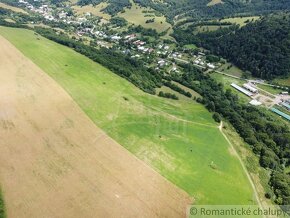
[{"x": 162, "y": 55}]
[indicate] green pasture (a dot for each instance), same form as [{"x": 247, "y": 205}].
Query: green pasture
[{"x": 136, "y": 15}]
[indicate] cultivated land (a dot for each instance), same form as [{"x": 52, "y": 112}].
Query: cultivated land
[
  {"x": 178, "y": 139},
  {"x": 55, "y": 162}
]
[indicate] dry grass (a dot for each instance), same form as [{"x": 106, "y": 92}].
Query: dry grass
[
  {"x": 54, "y": 162},
  {"x": 214, "y": 2}
]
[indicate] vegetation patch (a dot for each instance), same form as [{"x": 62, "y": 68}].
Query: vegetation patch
[
  {"x": 242, "y": 21},
  {"x": 96, "y": 10},
  {"x": 12, "y": 8},
  {"x": 139, "y": 16}
]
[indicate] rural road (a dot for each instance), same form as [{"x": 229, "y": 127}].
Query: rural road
[{"x": 243, "y": 166}]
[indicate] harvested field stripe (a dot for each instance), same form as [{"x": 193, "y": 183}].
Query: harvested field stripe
[
  {"x": 180, "y": 151},
  {"x": 54, "y": 161}
]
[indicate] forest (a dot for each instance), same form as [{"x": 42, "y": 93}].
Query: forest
[
  {"x": 198, "y": 9},
  {"x": 261, "y": 48}
]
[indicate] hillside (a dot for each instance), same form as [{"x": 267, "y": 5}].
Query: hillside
[
  {"x": 114, "y": 6},
  {"x": 55, "y": 162},
  {"x": 197, "y": 9},
  {"x": 261, "y": 47},
  {"x": 179, "y": 139}
]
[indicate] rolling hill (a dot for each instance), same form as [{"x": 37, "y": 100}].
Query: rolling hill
[
  {"x": 260, "y": 47},
  {"x": 55, "y": 162},
  {"x": 178, "y": 139}
]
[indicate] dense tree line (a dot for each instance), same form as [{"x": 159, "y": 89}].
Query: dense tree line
[
  {"x": 269, "y": 139},
  {"x": 126, "y": 67},
  {"x": 144, "y": 31},
  {"x": 119, "y": 21},
  {"x": 261, "y": 47},
  {"x": 177, "y": 89},
  {"x": 167, "y": 95}
]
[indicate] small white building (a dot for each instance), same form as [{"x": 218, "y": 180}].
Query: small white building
[{"x": 254, "y": 102}]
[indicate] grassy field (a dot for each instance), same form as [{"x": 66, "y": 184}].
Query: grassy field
[
  {"x": 240, "y": 20},
  {"x": 190, "y": 46},
  {"x": 207, "y": 28},
  {"x": 15, "y": 9},
  {"x": 94, "y": 10},
  {"x": 179, "y": 139},
  {"x": 231, "y": 69},
  {"x": 260, "y": 176},
  {"x": 54, "y": 157},
  {"x": 285, "y": 82},
  {"x": 136, "y": 15},
  {"x": 270, "y": 89},
  {"x": 214, "y": 2}
]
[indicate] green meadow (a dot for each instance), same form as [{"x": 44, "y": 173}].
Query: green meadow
[
  {"x": 179, "y": 139},
  {"x": 139, "y": 15}
]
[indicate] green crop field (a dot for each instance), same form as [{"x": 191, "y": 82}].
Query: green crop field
[{"x": 179, "y": 139}]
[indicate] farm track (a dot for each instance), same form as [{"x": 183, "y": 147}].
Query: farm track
[
  {"x": 54, "y": 161},
  {"x": 243, "y": 166}
]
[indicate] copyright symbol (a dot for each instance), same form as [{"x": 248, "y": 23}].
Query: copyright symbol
[{"x": 193, "y": 211}]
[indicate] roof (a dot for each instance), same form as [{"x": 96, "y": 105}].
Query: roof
[
  {"x": 286, "y": 116},
  {"x": 255, "y": 102},
  {"x": 246, "y": 92},
  {"x": 285, "y": 105},
  {"x": 252, "y": 89}
]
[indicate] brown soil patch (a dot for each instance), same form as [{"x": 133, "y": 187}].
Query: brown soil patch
[{"x": 54, "y": 162}]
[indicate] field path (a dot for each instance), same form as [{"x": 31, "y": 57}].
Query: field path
[
  {"x": 54, "y": 162},
  {"x": 243, "y": 166}
]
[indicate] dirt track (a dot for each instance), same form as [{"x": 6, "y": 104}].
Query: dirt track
[{"x": 54, "y": 162}]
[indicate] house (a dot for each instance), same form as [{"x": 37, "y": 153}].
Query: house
[
  {"x": 161, "y": 63},
  {"x": 250, "y": 88},
  {"x": 116, "y": 38},
  {"x": 246, "y": 92},
  {"x": 211, "y": 66}
]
